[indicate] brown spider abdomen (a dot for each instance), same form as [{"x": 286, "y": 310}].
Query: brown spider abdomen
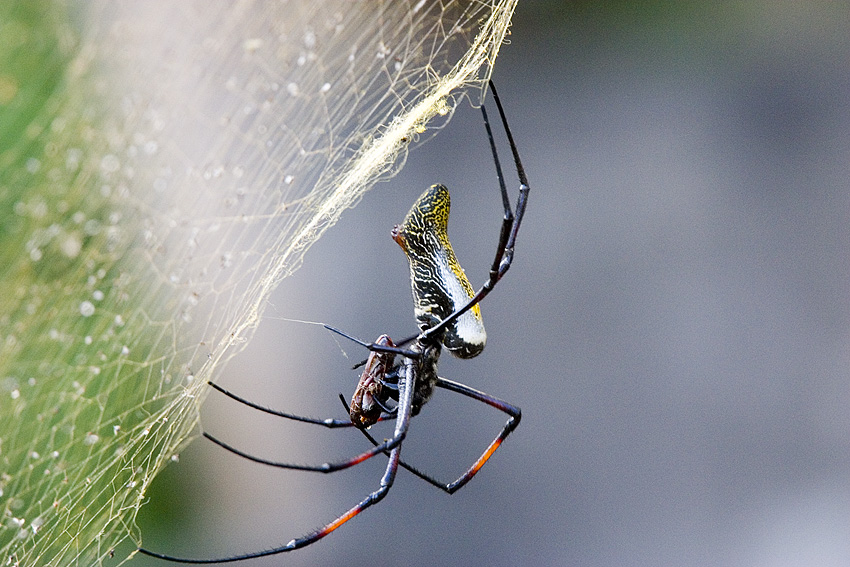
[{"x": 367, "y": 403}]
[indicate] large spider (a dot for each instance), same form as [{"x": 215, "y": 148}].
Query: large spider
[{"x": 447, "y": 314}]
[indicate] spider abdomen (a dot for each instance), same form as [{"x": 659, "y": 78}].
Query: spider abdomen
[{"x": 439, "y": 284}]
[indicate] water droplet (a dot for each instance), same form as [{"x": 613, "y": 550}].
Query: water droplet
[
  {"x": 71, "y": 246},
  {"x": 86, "y": 308},
  {"x": 73, "y": 158},
  {"x": 110, "y": 163},
  {"x": 310, "y": 39},
  {"x": 383, "y": 50},
  {"x": 36, "y": 524},
  {"x": 252, "y": 44},
  {"x": 92, "y": 227}
]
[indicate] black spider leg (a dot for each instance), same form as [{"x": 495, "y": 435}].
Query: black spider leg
[
  {"x": 515, "y": 417},
  {"x": 410, "y": 468},
  {"x": 406, "y": 385},
  {"x": 507, "y": 235},
  {"x": 390, "y": 411},
  {"x": 330, "y": 423},
  {"x": 387, "y": 409},
  {"x": 323, "y": 468},
  {"x": 374, "y": 347}
]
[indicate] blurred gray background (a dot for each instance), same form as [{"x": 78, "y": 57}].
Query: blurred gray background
[{"x": 676, "y": 325}]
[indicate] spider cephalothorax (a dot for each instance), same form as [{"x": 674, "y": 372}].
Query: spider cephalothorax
[{"x": 379, "y": 381}]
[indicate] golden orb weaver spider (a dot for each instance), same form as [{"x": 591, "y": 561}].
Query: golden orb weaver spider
[{"x": 447, "y": 314}]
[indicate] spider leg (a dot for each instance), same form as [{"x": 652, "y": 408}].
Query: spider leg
[
  {"x": 507, "y": 234},
  {"x": 374, "y": 347},
  {"x": 408, "y": 467},
  {"x": 402, "y": 425},
  {"x": 515, "y": 416},
  {"x": 457, "y": 484},
  {"x": 357, "y": 414},
  {"x": 402, "y": 464},
  {"x": 389, "y": 413},
  {"x": 387, "y": 409},
  {"x": 330, "y": 423},
  {"x": 323, "y": 468},
  {"x": 508, "y": 219}
]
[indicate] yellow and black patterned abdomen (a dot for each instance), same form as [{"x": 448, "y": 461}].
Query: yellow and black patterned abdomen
[{"x": 439, "y": 284}]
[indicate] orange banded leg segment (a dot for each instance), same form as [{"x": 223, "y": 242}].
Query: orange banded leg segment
[
  {"x": 370, "y": 500},
  {"x": 402, "y": 424},
  {"x": 512, "y": 423},
  {"x": 387, "y": 445}
]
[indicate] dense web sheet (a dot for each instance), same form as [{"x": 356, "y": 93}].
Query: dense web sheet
[{"x": 162, "y": 167}]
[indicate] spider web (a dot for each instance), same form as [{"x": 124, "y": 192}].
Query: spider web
[{"x": 162, "y": 167}]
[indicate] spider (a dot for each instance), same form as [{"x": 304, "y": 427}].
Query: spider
[{"x": 447, "y": 314}]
